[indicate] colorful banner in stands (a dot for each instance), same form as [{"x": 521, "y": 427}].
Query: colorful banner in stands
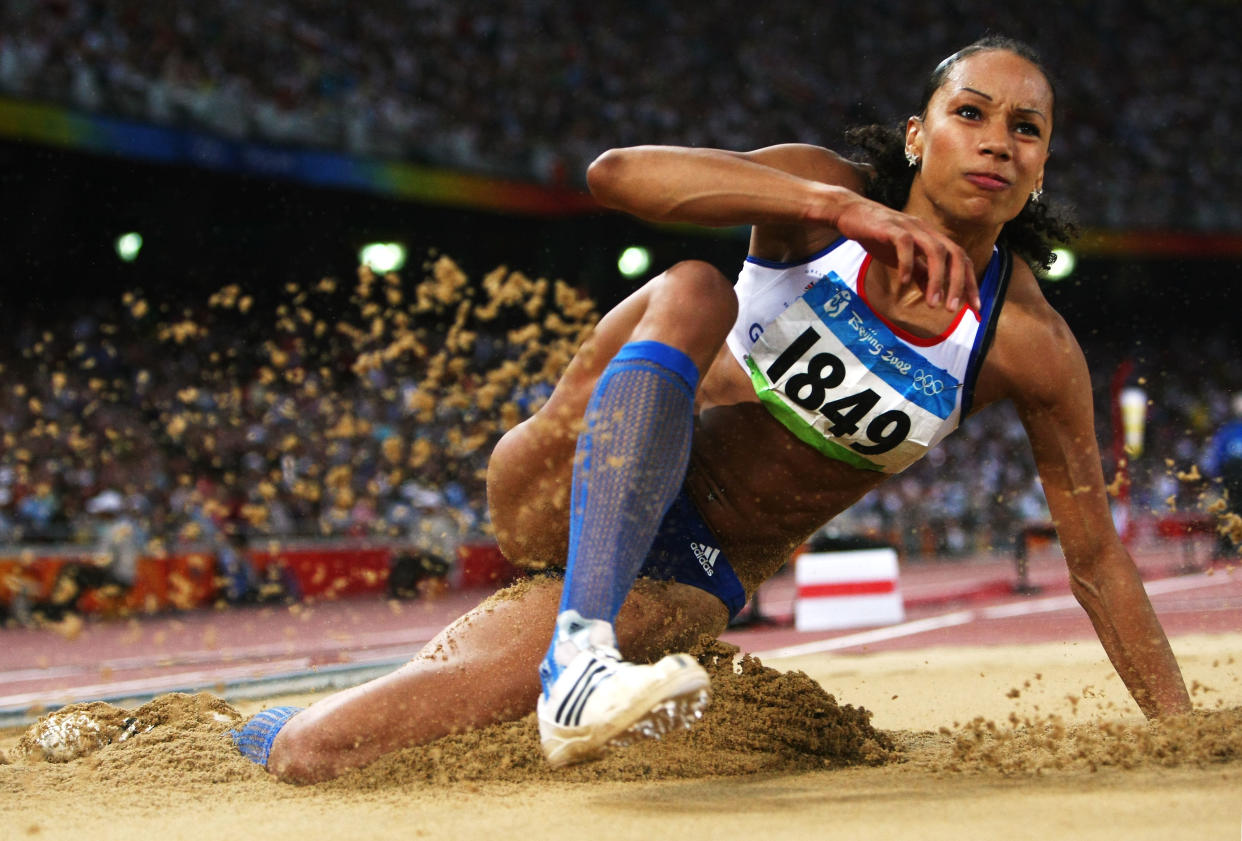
[
  {"x": 55, "y": 126},
  {"x": 187, "y": 579}
]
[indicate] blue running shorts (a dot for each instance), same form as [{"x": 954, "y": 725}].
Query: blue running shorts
[{"x": 686, "y": 551}]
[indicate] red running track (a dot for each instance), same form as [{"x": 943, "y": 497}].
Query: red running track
[{"x": 257, "y": 651}]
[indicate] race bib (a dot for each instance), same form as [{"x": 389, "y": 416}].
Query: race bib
[{"x": 835, "y": 374}]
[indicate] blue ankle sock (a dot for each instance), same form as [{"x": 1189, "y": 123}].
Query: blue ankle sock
[
  {"x": 631, "y": 461},
  {"x": 254, "y": 738}
]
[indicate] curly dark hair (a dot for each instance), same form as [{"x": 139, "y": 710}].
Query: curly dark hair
[{"x": 1031, "y": 234}]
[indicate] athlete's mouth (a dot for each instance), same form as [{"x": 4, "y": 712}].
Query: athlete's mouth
[{"x": 987, "y": 180}]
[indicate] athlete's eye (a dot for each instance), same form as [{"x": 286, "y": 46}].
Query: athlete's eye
[
  {"x": 970, "y": 112},
  {"x": 1028, "y": 129}
]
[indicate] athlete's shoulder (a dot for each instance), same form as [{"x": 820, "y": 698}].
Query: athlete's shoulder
[
  {"x": 1033, "y": 352},
  {"x": 1027, "y": 315},
  {"x": 814, "y": 163}
]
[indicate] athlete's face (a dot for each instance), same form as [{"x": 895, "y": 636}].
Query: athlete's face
[{"x": 983, "y": 139}]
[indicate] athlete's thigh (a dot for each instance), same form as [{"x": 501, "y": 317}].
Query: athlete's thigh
[
  {"x": 530, "y": 472},
  {"x": 691, "y": 307},
  {"x": 659, "y": 310},
  {"x": 568, "y": 403},
  {"x": 661, "y": 617},
  {"x": 529, "y": 476}
]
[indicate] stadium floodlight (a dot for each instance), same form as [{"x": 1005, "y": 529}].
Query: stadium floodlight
[
  {"x": 128, "y": 245},
  {"x": 383, "y": 257},
  {"x": 1063, "y": 267},
  {"x": 634, "y": 261}
]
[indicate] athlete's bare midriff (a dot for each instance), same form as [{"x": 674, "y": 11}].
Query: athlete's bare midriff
[{"x": 760, "y": 489}]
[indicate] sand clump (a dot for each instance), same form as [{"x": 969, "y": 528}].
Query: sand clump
[
  {"x": 1043, "y": 745},
  {"x": 178, "y": 741},
  {"x": 760, "y": 720}
]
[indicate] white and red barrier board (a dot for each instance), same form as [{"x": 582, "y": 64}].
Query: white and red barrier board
[{"x": 856, "y": 589}]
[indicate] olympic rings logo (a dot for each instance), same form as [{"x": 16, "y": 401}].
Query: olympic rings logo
[{"x": 927, "y": 384}]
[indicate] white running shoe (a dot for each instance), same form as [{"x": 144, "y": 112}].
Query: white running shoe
[{"x": 597, "y": 700}]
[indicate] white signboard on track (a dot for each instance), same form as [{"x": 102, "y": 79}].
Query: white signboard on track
[{"x": 854, "y": 589}]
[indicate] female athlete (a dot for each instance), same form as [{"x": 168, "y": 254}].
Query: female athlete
[{"x": 705, "y": 430}]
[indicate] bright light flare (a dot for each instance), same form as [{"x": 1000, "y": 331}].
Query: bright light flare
[
  {"x": 1064, "y": 265},
  {"x": 383, "y": 257},
  {"x": 634, "y": 261},
  {"x": 128, "y": 245}
]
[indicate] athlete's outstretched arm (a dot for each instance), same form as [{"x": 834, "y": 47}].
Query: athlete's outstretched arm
[
  {"x": 1053, "y": 398},
  {"x": 798, "y": 198}
]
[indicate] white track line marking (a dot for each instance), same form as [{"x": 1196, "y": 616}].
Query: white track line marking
[
  {"x": 351, "y": 648},
  {"x": 1049, "y": 604},
  {"x": 904, "y": 629},
  {"x": 380, "y": 653},
  {"x": 1183, "y": 582},
  {"x": 146, "y": 686},
  {"x": 290, "y": 670}
]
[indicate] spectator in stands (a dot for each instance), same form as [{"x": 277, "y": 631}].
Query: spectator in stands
[
  {"x": 239, "y": 582},
  {"x": 433, "y": 529},
  {"x": 1224, "y": 463},
  {"x": 7, "y": 527},
  {"x": 120, "y": 539},
  {"x": 111, "y": 569}
]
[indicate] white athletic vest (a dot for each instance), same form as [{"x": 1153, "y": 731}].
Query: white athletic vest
[{"x": 843, "y": 379}]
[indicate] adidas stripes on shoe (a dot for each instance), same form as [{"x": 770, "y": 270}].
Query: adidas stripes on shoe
[{"x": 593, "y": 699}]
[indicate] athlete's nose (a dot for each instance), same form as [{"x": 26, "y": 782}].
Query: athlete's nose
[{"x": 996, "y": 142}]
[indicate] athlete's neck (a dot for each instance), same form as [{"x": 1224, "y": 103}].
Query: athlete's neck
[{"x": 976, "y": 239}]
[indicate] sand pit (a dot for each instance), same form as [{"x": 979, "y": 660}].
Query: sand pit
[
  {"x": 1014, "y": 742},
  {"x": 1035, "y": 741}
]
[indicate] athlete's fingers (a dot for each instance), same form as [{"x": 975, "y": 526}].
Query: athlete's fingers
[
  {"x": 936, "y": 255},
  {"x": 954, "y": 282},
  {"x": 962, "y": 283},
  {"x": 903, "y": 244}
]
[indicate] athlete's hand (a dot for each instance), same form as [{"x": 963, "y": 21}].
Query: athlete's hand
[{"x": 920, "y": 254}]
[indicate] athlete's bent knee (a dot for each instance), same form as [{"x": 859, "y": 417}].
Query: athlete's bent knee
[
  {"x": 702, "y": 282},
  {"x": 692, "y": 306},
  {"x": 300, "y": 756}
]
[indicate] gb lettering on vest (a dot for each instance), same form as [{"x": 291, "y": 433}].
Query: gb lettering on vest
[{"x": 839, "y": 378}]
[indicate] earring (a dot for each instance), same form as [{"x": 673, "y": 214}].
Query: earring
[
  {"x": 1037, "y": 193},
  {"x": 911, "y": 158}
]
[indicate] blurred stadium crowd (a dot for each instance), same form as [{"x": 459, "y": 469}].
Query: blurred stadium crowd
[
  {"x": 196, "y": 429},
  {"x": 329, "y": 412},
  {"x": 216, "y": 434},
  {"x": 535, "y": 88}
]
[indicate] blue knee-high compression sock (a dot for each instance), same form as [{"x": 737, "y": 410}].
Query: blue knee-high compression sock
[
  {"x": 631, "y": 461},
  {"x": 254, "y": 738}
]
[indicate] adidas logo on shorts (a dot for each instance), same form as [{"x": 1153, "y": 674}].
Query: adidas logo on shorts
[{"x": 707, "y": 556}]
